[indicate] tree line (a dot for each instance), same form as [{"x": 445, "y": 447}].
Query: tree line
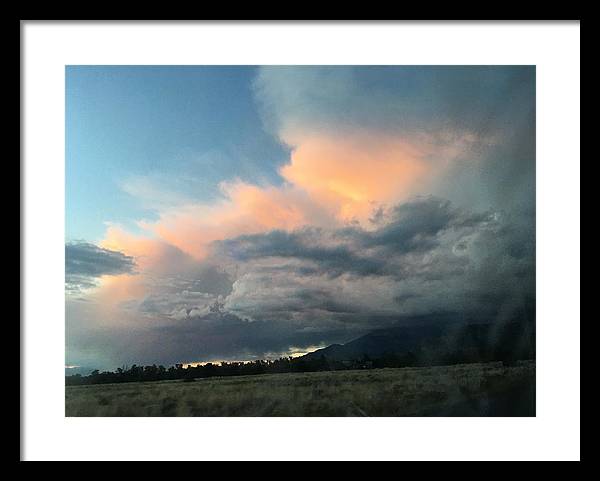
[
  {"x": 137, "y": 373},
  {"x": 421, "y": 357}
]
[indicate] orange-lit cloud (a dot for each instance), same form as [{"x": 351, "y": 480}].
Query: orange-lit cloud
[
  {"x": 153, "y": 257},
  {"x": 143, "y": 249},
  {"x": 329, "y": 181},
  {"x": 114, "y": 290},
  {"x": 350, "y": 175},
  {"x": 248, "y": 209}
]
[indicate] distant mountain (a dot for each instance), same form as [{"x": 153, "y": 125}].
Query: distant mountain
[{"x": 439, "y": 343}]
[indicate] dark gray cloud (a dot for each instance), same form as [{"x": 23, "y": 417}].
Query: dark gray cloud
[
  {"x": 480, "y": 99},
  {"x": 210, "y": 336},
  {"x": 85, "y": 262},
  {"x": 187, "y": 292},
  {"x": 427, "y": 259},
  {"x": 425, "y": 256},
  {"x": 309, "y": 244},
  {"x": 416, "y": 227},
  {"x": 226, "y": 336}
]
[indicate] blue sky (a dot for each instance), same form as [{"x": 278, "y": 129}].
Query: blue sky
[{"x": 124, "y": 123}]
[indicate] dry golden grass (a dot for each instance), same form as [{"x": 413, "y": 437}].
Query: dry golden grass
[{"x": 462, "y": 390}]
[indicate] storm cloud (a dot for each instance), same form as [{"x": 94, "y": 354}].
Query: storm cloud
[
  {"x": 416, "y": 227},
  {"x": 408, "y": 194},
  {"x": 281, "y": 292},
  {"x": 425, "y": 256},
  {"x": 445, "y": 100},
  {"x": 477, "y": 122}
]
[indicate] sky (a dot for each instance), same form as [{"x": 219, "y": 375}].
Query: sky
[{"x": 243, "y": 212}]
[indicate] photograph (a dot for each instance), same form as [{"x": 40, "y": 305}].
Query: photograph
[{"x": 300, "y": 240}]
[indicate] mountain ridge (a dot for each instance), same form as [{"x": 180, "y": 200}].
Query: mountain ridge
[{"x": 436, "y": 343}]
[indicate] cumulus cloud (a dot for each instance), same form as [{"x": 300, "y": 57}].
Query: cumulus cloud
[
  {"x": 473, "y": 126},
  {"x": 362, "y": 137},
  {"x": 168, "y": 281}
]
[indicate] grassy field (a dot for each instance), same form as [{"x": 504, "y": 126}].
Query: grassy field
[{"x": 488, "y": 389}]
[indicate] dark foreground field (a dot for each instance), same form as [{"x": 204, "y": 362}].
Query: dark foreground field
[{"x": 488, "y": 389}]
